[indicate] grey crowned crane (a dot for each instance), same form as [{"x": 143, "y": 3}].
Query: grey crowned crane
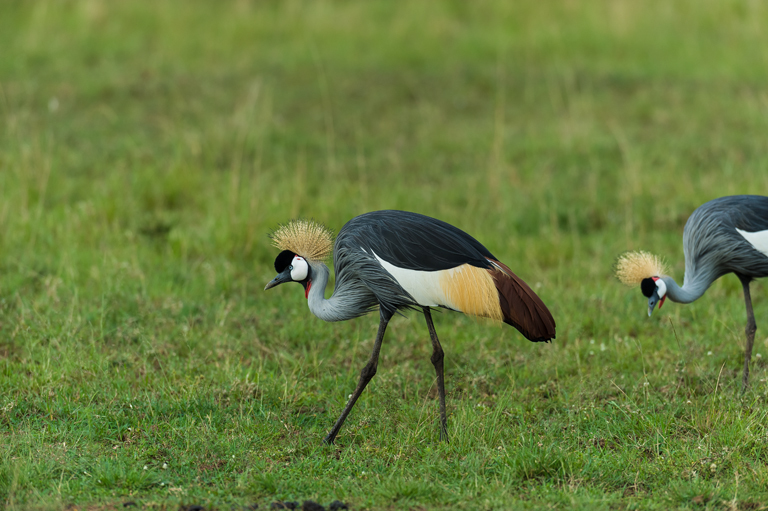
[
  {"x": 394, "y": 261},
  {"x": 725, "y": 235}
]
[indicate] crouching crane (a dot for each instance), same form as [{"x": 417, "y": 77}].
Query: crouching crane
[
  {"x": 394, "y": 261},
  {"x": 725, "y": 235}
]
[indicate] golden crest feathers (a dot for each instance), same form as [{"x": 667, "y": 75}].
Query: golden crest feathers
[
  {"x": 632, "y": 267},
  {"x": 306, "y": 238}
]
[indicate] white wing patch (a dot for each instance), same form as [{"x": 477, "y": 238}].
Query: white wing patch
[
  {"x": 465, "y": 288},
  {"x": 758, "y": 239},
  {"x": 423, "y": 286}
]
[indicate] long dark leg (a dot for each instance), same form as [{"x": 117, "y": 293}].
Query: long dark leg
[
  {"x": 750, "y": 331},
  {"x": 437, "y": 361},
  {"x": 366, "y": 375}
]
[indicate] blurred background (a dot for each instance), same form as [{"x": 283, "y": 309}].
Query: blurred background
[
  {"x": 148, "y": 147},
  {"x": 201, "y": 125},
  {"x": 141, "y": 140}
]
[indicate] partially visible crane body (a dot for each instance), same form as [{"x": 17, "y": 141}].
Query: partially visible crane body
[
  {"x": 725, "y": 235},
  {"x": 394, "y": 261}
]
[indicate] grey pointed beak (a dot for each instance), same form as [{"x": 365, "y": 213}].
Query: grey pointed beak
[
  {"x": 279, "y": 279},
  {"x": 652, "y": 301}
]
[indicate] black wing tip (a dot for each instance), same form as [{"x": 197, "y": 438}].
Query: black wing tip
[{"x": 541, "y": 338}]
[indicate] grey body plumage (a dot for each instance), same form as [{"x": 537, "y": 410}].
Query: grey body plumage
[
  {"x": 362, "y": 284},
  {"x": 715, "y": 244},
  {"x": 374, "y": 250},
  {"x": 352, "y": 297}
]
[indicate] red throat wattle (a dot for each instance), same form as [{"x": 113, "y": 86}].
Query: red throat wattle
[
  {"x": 309, "y": 286},
  {"x": 661, "y": 302}
]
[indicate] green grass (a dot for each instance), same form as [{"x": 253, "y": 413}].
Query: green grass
[{"x": 147, "y": 148}]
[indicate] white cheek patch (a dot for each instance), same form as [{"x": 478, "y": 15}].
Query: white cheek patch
[
  {"x": 758, "y": 239},
  {"x": 661, "y": 288},
  {"x": 300, "y": 269}
]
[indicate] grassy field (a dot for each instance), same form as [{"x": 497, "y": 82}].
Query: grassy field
[{"x": 148, "y": 147}]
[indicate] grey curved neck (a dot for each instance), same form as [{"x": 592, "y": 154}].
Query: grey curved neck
[
  {"x": 327, "y": 310},
  {"x": 687, "y": 293}
]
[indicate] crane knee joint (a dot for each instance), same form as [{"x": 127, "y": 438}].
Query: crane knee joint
[{"x": 368, "y": 372}]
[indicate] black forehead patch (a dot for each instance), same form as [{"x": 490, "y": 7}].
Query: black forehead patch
[
  {"x": 648, "y": 286},
  {"x": 283, "y": 260}
]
